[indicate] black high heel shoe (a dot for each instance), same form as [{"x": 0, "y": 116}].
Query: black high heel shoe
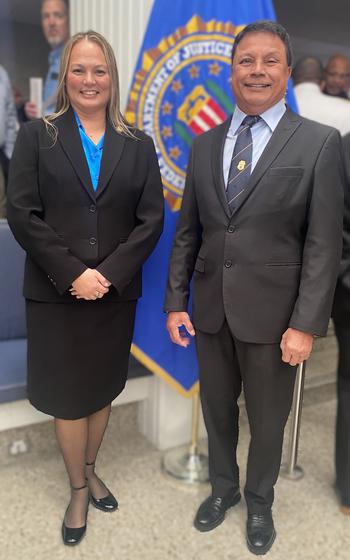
[
  {"x": 72, "y": 535},
  {"x": 108, "y": 503}
]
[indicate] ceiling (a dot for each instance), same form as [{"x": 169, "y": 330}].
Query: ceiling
[{"x": 318, "y": 20}]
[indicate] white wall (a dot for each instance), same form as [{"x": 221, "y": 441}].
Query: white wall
[{"x": 122, "y": 22}]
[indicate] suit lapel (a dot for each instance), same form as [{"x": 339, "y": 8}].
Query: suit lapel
[
  {"x": 218, "y": 142},
  {"x": 69, "y": 138},
  {"x": 283, "y": 132},
  {"x": 112, "y": 150}
]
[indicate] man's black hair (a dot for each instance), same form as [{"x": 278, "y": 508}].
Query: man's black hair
[{"x": 266, "y": 26}]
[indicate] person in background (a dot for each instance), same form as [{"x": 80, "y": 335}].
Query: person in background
[
  {"x": 55, "y": 25},
  {"x": 341, "y": 318},
  {"x": 308, "y": 79},
  {"x": 85, "y": 201},
  {"x": 260, "y": 231},
  {"x": 337, "y": 76},
  {"x": 8, "y": 122},
  {"x": 334, "y": 111}
]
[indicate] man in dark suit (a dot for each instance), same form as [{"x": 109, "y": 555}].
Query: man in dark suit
[
  {"x": 341, "y": 318},
  {"x": 260, "y": 230}
]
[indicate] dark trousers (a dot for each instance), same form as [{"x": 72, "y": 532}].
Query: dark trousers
[
  {"x": 342, "y": 440},
  {"x": 225, "y": 364}
]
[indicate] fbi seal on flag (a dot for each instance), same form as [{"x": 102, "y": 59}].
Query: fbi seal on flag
[{"x": 181, "y": 89}]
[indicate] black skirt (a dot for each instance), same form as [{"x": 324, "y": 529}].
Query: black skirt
[{"x": 78, "y": 355}]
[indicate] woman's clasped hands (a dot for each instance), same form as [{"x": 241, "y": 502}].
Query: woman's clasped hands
[{"x": 90, "y": 285}]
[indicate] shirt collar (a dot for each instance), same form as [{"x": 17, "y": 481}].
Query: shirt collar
[
  {"x": 55, "y": 54},
  {"x": 78, "y": 120},
  {"x": 100, "y": 144},
  {"x": 271, "y": 117}
]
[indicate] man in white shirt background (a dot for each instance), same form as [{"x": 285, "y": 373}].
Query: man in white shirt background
[
  {"x": 337, "y": 76},
  {"x": 308, "y": 79}
]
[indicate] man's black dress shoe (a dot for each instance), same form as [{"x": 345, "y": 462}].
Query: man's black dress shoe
[
  {"x": 344, "y": 502},
  {"x": 212, "y": 511},
  {"x": 260, "y": 532}
]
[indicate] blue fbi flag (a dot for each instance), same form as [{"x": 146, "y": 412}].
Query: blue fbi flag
[{"x": 181, "y": 88}]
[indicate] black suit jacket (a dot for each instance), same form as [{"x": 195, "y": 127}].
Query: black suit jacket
[
  {"x": 341, "y": 308},
  {"x": 274, "y": 262},
  {"x": 65, "y": 226}
]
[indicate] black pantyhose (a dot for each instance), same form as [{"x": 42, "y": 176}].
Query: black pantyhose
[{"x": 79, "y": 441}]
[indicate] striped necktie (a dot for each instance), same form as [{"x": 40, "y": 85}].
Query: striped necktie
[{"x": 241, "y": 163}]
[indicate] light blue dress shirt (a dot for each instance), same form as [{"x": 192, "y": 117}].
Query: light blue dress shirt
[
  {"x": 51, "y": 80},
  {"x": 93, "y": 153},
  {"x": 261, "y": 134}
]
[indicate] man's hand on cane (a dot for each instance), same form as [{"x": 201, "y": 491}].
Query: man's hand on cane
[{"x": 296, "y": 346}]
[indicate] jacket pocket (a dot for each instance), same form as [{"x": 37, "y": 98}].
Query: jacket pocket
[
  {"x": 283, "y": 264},
  {"x": 286, "y": 171}
]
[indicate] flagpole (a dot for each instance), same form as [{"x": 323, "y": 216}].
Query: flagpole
[
  {"x": 290, "y": 469},
  {"x": 186, "y": 463},
  {"x": 195, "y": 425}
]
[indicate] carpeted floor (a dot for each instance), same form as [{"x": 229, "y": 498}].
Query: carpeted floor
[{"x": 154, "y": 521}]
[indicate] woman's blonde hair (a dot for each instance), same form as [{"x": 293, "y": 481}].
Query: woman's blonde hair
[{"x": 114, "y": 114}]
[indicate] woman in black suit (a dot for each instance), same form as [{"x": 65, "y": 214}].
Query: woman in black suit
[
  {"x": 85, "y": 201},
  {"x": 341, "y": 318}
]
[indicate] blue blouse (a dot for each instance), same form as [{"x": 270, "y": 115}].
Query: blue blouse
[{"x": 93, "y": 153}]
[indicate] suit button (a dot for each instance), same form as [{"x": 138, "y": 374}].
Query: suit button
[
  {"x": 92, "y": 208},
  {"x": 228, "y": 263},
  {"x": 231, "y": 229},
  {"x": 93, "y": 241}
]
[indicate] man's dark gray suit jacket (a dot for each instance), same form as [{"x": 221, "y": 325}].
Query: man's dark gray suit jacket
[
  {"x": 273, "y": 263},
  {"x": 341, "y": 307}
]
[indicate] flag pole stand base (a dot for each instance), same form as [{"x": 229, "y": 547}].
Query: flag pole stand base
[
  {"x": 183, "y": 464},
  {"x": 292, "y": 474}
]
